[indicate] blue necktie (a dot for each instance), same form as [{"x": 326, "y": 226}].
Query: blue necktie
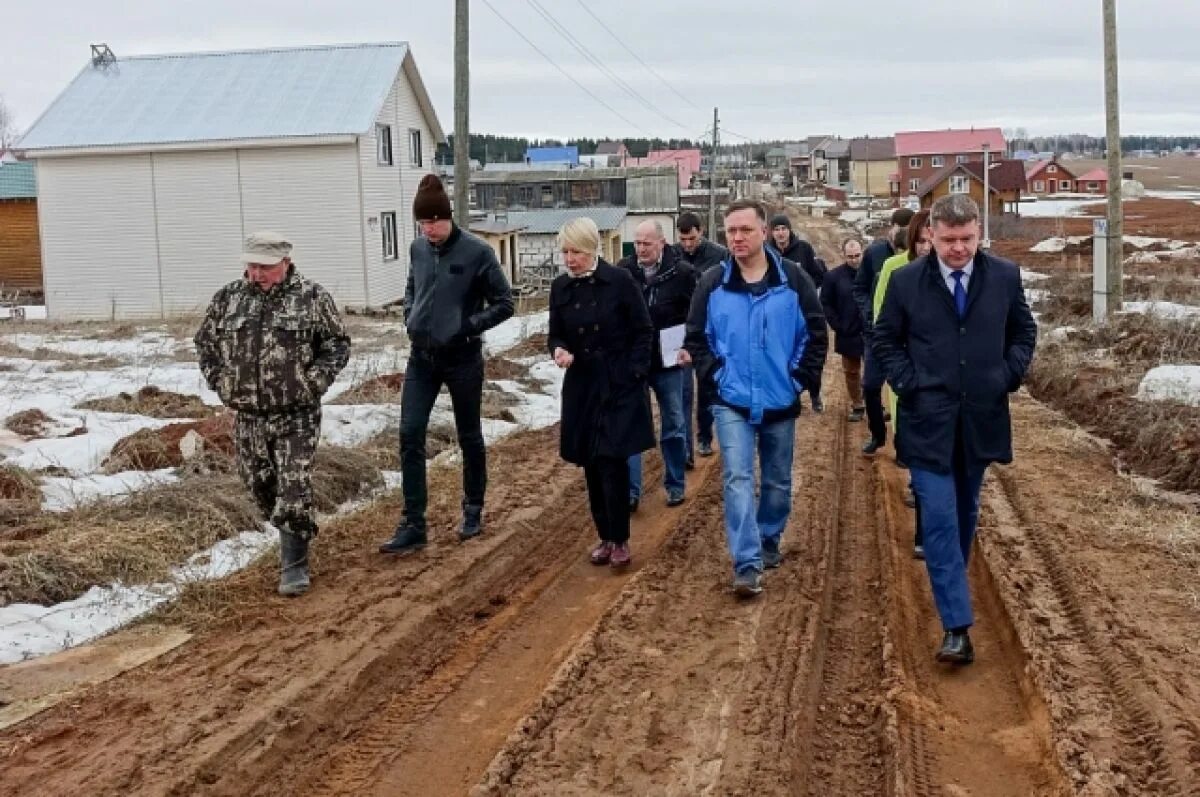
[{"x": 960, "y": 293}]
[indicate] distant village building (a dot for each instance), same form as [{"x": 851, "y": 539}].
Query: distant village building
[
  {"x": 1006, "y": 182},
  {"x": 1092, "y": 182},
  {"x": 873, "y": 167},
  {"x": 20, "y": 245},
  {"x": 615, "y": 152},
  {"x": 1047, "y": 177},
  {"x": 537, "y": 156},
  {"x": 685, "y": 161},
  {"x": 923, "y": 153},
  {"x": 152, "y": 170}
]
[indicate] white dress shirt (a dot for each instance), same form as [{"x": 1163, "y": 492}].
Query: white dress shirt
[{"x": 949, "y": 280}]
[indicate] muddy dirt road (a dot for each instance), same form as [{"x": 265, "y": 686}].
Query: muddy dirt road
[{"x": 511, "y": 666}]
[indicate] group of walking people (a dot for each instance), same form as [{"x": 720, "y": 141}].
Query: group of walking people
[{"x": 726, "y": 341}]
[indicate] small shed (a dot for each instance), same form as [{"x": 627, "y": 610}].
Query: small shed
[
  {"x": 1093, "y": 182},
  {"x": 20, "y": 244},
  {"x": 505, "y": 239}
]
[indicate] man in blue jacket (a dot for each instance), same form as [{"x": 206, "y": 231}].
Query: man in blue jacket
[
  {"x": 954, "y": 337},
  {"x": 756, "y": 334}
]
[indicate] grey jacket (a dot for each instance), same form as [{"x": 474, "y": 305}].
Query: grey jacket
[{"x": 455, "y": 291}]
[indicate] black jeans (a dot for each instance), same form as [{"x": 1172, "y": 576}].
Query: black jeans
[
  {"x": 461, "y": 371},
  {"x": 608, "y": 493},
  {"x": 872, "y": 383}
]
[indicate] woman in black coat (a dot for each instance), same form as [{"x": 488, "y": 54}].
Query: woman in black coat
[{"x": 600, "y": 331}]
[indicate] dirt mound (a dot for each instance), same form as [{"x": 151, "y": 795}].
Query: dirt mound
[
  {"x": 342, "y": 474},
  {"x": 33, "y": 424},
  {"x": 532, "y": 346},
  {"x": 383, "y": 389},
  {"x": 504, "y": 368},
  {"x": 152, "y": 449},
  {"x": 153, "y": 402}
]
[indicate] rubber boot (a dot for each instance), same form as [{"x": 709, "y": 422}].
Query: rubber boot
[{"x": 293, "y": 563}]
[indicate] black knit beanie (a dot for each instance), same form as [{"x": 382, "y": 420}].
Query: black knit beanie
[
  {"x": 431, "y": 202},
  {"x": 781, "y": 220}
]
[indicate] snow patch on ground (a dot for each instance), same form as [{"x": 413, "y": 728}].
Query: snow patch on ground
[
  {"x": 1057, "y": 208},
  {"x": 1179, "y": 383},
  {"x": 1167, "y": 310},
  {"x": 61, "y": 493},
  {"x": 1056, "y": 244},
  {"x": 1033, "y": 295},
  {"x": 1030, "y": 277}
]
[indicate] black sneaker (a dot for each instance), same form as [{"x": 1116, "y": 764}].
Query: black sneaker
[
  {"x": 408, "y": 538},
  {"x": 772, "y": 557},
  {"x": 856, "y": 415},
  {"x": 472, "y": 524},
  {"x": 747, "y": 583},
  {"x": 919, "y": 552},
  {"x": 690, "y": 462},
  {"x": 871, "y": 446},
  {"x": 675, "y": 498},
  {"x": 705, "y": 449},
  {"x": 818, "y": 405}
]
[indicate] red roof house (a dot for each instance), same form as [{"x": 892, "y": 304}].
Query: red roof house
[
  {"x": 920, "y": 154},
  {"x": 1093, "y": 182}
]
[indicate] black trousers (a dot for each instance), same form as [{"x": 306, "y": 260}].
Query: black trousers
[
  {"x": 461, "y": 371},
  {"x": 872, "y": 383},
  {"x": 608, "y": 493}
]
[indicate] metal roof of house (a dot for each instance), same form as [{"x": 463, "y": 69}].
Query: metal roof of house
[
  {"x": 943, "y": 142},
  {"x": 541, "y": 222},
  {"x": 179, "y": 99},
  {"x": 1097, "y": 175},
  {"x": 18, "y": 181},
  {"x": 1003, "y": 175},
  {"x": 879, "y": 149}
]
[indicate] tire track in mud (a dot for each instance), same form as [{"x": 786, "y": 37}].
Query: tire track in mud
[
  {"x": 682, "y": 689},
  {"x": 981, "y": 729},
  {"x": 1146, "y": 751}
]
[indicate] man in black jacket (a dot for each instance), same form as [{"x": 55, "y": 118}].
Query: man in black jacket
[
  {"x": 702, "y": 254},
  {"x": 954, "y": 337},
  {"x": 456, "y": 290},
  {"x": 844, "y": 319},
  {"x": 667, "y": 284},
  {"x": 864, "y": 295},
  {"x": 791, "y": 247}
]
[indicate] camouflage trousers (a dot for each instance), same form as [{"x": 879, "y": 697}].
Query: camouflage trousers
[{"x": 275, "y": 457}]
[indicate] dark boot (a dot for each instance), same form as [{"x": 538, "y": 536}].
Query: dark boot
[
  {"x": 472, "y": 524},
  {"x": 293, "y": 564},
  {"x": 409, "y": 537}
]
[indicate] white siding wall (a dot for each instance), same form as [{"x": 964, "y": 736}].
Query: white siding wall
[
  {"x": 199, "y": 226},
  {"x": 98, "y": 238},
  {"x": 391, "y": 188},
  {"x": 310, "y": 195}
]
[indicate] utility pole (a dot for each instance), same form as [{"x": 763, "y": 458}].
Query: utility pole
[
  {"x": 987, "y": 197},
  {"x": 712, "y": 181},
  {"x": 462, "y": 123},
  {"x": 1112, "y": 272},
  {"x": 867, "y": 158}
]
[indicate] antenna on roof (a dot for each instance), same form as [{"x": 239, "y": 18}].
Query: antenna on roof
[{"x": 102, "y": 56}]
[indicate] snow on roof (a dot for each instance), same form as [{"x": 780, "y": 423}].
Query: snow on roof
[
  {"x": 226, "y": 96},
  {"x": 940, "y": 142}
]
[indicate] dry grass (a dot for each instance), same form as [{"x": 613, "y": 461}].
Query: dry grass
[
  {"x": 383, "y": 389},
  {"x": 532, "y": 346},
  {"x": 153, "y": 402},
  {"x": 28, "y": 423},
  {"x": 19, "y": 496}
]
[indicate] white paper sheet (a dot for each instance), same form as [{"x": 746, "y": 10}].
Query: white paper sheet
[{"x": 671, "y": 341}]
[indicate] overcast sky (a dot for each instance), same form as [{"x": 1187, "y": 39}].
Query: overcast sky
[{"x": 801, "y": 68}]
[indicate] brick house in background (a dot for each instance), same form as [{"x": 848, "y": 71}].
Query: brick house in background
[
  {"x": 920, "y": 154},
  {"x": 1006, "y": 181},
  {"x": 1047, "y": 177}
]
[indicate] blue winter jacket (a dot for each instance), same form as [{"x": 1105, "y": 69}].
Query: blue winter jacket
[{"x": 757, "y": 351}]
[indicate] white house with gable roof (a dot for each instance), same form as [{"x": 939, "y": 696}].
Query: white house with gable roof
[{"x": 152, "y": 169}]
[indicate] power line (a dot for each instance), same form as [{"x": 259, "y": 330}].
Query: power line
[
  {"x": 566, "y": 74},
  {"x": 582, "y": 49},
  {"x": 637, "y": 57}
]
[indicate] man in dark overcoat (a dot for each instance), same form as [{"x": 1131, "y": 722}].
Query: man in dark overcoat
[{"x": 954, "y": 337}]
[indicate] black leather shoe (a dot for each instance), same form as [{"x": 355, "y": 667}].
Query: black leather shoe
[
  {"x": 871, "y": 446},
  {"x": 407, "y": 539},
  {"x": 690, "y": 463},
  {"x": 956, "y": 648},
  {"x": 472, "y": 524}
]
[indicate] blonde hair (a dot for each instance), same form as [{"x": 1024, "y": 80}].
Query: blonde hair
[{"x": 582, "y": 234}]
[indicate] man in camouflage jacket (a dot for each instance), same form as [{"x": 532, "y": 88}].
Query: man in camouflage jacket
[{"x": 270, "y": 345}]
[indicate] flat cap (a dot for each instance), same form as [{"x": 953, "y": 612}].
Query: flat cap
[{"x": 265, "y": 247}]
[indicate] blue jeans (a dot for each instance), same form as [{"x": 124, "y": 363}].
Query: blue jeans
[
  {"x": 747, "y": 525},
  {"x": 949, "y": 505},
  {"x": 667, "y": 386}
]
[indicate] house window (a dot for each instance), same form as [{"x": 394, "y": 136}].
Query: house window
[
  {"x": 960, "y": 184},
  {"x": 547, "y": 195},
  {"x": 1039, "y": 186},
  {"x": 387, "y": 225},
  {"x": 914, "y": 163},
  {"x": 960, "y": 158},
  {"x": 1051, "y": 169},
  {"x": 1093, "y": 186},
  {"x": 383, "y": 145},
  {"x": 913, "y": 185},
  {"x": 1064, "y": 185},
  {"x": 414, "y": 147},
  {"x": 937, "y": 161}
]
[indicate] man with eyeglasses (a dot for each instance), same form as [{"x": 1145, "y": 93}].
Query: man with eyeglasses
[{"x": 842, "y": 313}]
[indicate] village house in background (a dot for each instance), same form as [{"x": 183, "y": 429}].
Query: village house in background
[
  {"x": 1005, "y": 183},
  {"x": 1047, "y": 177},
  {"x": 152, "y": 169},
  {"x": 923, "y": 153},
  {"x": 1092, "y": 182},
  {"x": 20, "y": 246},
  {"x": 873, "y": 167}
]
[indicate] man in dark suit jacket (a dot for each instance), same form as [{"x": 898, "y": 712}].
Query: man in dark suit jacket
[{"x": 954, "y": 337}]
